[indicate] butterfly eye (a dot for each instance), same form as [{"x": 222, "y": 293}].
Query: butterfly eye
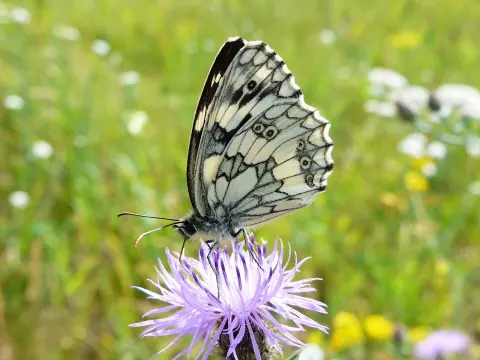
[
  {"x": 270, "y": 132},
  {"x": 301, "y": 145},
  {"x": 309, "y": 179},
  {"x": 251, "y": 84},
  {"x": 305, "y": 162},
  {"x": 258, "y": 128}
]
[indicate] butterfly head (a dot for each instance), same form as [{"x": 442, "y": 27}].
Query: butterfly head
[{"x": 186, "y": 228}]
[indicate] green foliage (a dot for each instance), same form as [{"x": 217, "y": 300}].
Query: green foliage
[{"x": 67, "y": 263}]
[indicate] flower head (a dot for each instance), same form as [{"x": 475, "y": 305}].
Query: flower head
[
  {"x": 442, "y": 343},
  {"x": 231, "y": 309},
  {"x": 378, "y": 327}
]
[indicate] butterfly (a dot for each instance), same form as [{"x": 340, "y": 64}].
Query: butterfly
[{"x": 257, "y": 150}]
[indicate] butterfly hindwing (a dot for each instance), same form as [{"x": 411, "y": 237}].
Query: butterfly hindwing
[{"x": 266, "y": 174}]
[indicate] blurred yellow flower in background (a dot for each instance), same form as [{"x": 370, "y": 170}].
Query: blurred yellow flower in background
[
  {"x": 415, "y": 181},
  {"x": 315, "y": 337},
  {"x": 378, "y": 327},
  {"x": 347, "y": 331},
  {"x": 442, "y": 267},
  {"x": 417, "y": 334},
  {"x": 406, "y": 39}
]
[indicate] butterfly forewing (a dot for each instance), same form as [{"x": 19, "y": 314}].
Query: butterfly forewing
[
  {"x": 199, "y": 138},
  {"x": 260, "y": 151}
]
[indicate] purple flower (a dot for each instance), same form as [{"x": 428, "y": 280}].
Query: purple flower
[
  {"x": 238, "y": 317},
  {"x": 441, "y": 343}
]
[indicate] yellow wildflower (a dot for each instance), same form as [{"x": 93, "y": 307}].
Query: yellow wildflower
[
  {"x": 419, "y": 163},
  {"x": 417, "y": 334},
  {"x": 392, "y": 201},
  {"x": 315, "y": 337},
  {"x": 441, "y": 267},
  {"x": 415, "y": 181},
  {"x": 378, "y": 327},
  {"x": 347, "y": 331},
  {"x": 406, "y": 40}
]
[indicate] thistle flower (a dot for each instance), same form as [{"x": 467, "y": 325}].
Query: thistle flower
[
  {"x": 233, "y": 310},
  {"x": 442, "y": 343}
]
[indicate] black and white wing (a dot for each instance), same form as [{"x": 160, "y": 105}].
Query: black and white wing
[{"x": 257, "y": 151}]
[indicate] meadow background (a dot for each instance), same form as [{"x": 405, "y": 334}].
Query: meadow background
[{"x": 97, "y": 105}]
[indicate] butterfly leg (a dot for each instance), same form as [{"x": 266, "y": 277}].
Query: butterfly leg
[
  {"x": 215, "y": 243},
  {"x": 247, "y": 239},
  {"x": 181, "y": 251}
]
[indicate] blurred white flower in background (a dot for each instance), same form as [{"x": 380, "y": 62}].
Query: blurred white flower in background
[
  {"x": 454, "y": 94},
  {"x": 80, "y": 141},
  {"x": 475, "y": 188},
  {"x": 209, "y": 45},
  {"x": 311, "y": 352},
  {"x": 129, "y": 78},
  {"x": 136, "y": 120},
  {"x": 471, "y": 107},
  {"x": 191, "y": 47},
  {"x": 327, "y": 36},
  {"x": 42, "y": 149},
  {"x": 19, "y": 199},
  {"x": 380, "y": 108},
  {"x": 472, "y": 146},
  {"x": 383, "y": 81},
  {"x": 14, "y": 102},
  {"x": 66, "y": 32},
  {"x": 20, "y": 15},
  {"x": 413, "y": 97},
  {"x": 429, "y": 169},
  {"x": 100, "y": 47},
  {"x": 413, "y": 145},
  {"x": 437, "y": 150}
]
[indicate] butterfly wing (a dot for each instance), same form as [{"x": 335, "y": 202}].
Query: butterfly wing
[
  {"x": 262, "y": 152},
  {"x": 201, "y": 139}
]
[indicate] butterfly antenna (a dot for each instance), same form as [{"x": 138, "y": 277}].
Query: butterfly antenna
[
  {"x": 154, "y": 230},
  {"x": 125, "y": 213}
]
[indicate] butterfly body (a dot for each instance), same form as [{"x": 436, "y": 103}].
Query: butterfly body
[
  {"x": 257, "y": 150},
  {"x": 209, "y": 228}
]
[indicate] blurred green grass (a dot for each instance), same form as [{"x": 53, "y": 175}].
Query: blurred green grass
[{"x": 67, "y": 263}]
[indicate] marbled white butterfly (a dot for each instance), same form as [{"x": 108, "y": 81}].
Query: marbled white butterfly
[{"x": 257, "y": 150}]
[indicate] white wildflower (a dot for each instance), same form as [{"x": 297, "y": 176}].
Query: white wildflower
[
  {"x": 454, "y": 94},
  {"x": 472, "y": 146},
  {"x": 414, "y": 97},
  {"x": 129, "y": 78},
  {"x": 42, "y": 149},
  {"x": 474, "y": 188},
  {"x": 100, "y": 47},
  {"x": 437, "y": 150},
  {"x": 471, "y": 107},
  {"x": 327, "y": 36},
  {"x": 80, "y": 141},
  {"x": 66, "y": 32},
  {"x": 20, "y": 15},
  {"x": 19, "y": 199},
  {"x": 311, "y": 352},
  {"x": 429, "y": 169},
  {"x": 413, "y": 145},
  {"x": 209, "y": 45},
  {"x": 14, "y": 102},
  {"x": 136, "y": 120},
  {"x": 380, "y": 108},
  {"x": 384, "y": 80}
]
